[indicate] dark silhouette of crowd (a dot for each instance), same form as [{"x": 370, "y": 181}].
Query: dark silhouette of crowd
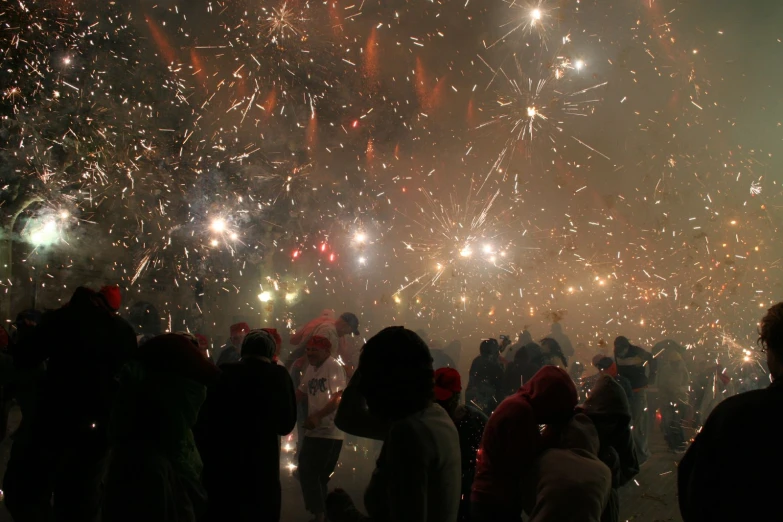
[{"x": 124, "y": 423}]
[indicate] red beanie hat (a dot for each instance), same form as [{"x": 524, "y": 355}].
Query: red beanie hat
[
  {"x": 317, "y": 341},
  {"x": 112, "y": 295},
  {"x": 273, "y": 332},
  {"x": 239, "y": 328}
]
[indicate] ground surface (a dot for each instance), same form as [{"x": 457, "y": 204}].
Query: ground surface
[{"x": 651, "y": 499}]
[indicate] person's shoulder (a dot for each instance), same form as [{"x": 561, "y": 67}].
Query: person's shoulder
[
  {"x": 744, "y": 403},
  {"x": 514, "y": 406}
]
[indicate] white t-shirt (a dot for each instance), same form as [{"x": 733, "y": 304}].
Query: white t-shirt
[{"x": 320, "y": 384}]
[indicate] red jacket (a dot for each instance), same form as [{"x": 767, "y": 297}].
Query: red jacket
[{"x": 512, "y": 439}]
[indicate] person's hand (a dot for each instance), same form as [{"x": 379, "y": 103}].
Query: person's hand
[
  {"x": 312, "y": 422},
  {"x": 338, "y": 505}
]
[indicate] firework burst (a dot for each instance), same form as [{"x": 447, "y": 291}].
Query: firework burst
[{"x": 463, "y": 247}]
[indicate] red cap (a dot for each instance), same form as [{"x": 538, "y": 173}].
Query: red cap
[
  {"x": 447, "y": 383},
  {"x": 273, "y": 333},
  {"x": 317, "y": 341},
  {"x": 111, "y": 293},
  {"x": 239, "y": 328}
]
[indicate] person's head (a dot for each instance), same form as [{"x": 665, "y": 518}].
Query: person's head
[
  {"x": 278, "y": 340},
  {"x": 238, "y": 333},
  {"x": 258, "y": 343},
  {"x": 621, "y": 346},
  {"x": 347, "y": 324},
  {"x": 552, "y": 347},
  {"x": 504, "y": 341},
  {"x": 203, "y": 343},
  {"x": 771, "y": 339},
  {"x": 396, "y": 373},
  {"x": 111, "y": 294},
  {"x": 318, "y": 350},
  {"x": 552, "y": 395},
  {"x": 448, "y": 387},
  {"x": 525, "y": 337},
  {"x": 605, "y": 365},
  {"x": 489, "y": 348}
]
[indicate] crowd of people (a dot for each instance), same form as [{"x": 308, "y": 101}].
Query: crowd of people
[{"x": 120, "y": 424}]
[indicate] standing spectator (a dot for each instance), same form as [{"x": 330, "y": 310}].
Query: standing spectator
[
  {"x": 509, "y": 353},
  {"x": 608, "y": 408},
  {"x": 278, "y": 344},
  {"x": 86, "y": 345},
  {"x": 562, "y": 339},
  {"x": 230, "y": 353},
  {"x": 322, "y": 386},
  {"x": 154, "y": 472},
  {"x": 485, "y": 386},
  {"x": 513, "y": 441},
  {"x": 607, "y": 366},
  {"x": 634, "y": 363},
  {"x": 250, "y": 407},
  {"x": 526, "y": 363},
  {"x": 470, "y": 422},
  {"x": 338, "y": 331},
  {"x": 730, "y": 470},
  {"x": 417, "y": 475},
  {"x": 552, "y": 353},
  {"x": 673, "y": 380}
]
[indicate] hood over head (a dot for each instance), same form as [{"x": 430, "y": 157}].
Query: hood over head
[
  {"x": 552, "y": 395},
  {"x": 580, "y": 433},
  {"x": 525, "y": 338},
  {"x": 607, "y": 399}
]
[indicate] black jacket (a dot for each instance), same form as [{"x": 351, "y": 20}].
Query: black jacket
[
  {"x": 633, "y": 366},
  {"x": 609, "y": 409},
  {"x": 731, "y": 471},
  {"x": 85, "y": 345},
  {"x": 238, "y": 435}
]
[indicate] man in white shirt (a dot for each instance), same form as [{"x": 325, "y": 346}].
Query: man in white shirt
[{"x": 322, "y": 386}]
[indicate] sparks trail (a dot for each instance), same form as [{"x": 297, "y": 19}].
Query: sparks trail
[
  {"x": 536, "y": 108},
  {"x": 462, "y": 238}
]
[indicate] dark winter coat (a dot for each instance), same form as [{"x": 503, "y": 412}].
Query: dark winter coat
[
  {"x": 610, "y": 411},
  {"x": 731, "y": 471},
  {"x": 249, "y": 408},
  {"x": 633, "y": 366},
  {"x": 85, "y": 345},
  {"x": 485, "y": 386},
  {"x": 155, "y": 468}
]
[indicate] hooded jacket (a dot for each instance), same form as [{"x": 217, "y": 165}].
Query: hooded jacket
[
  {"x": 731, "y": 470},
  {"x": 512, "y": 440},
  {"x": 155, "y": 468},
  {"x": 572, "y": 483},
  {"x": 608, "y": 408}
]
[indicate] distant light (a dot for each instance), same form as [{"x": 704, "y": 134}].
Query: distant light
[
  {"x": 64, "y": 215},
  {"x": 493, "y": 259},
  {"x": 487, "y": 249},
  {"x": 218, "y": 225},
  {"x": 397, "y": 299},
  {"x": 531, "y": 112},
  {"x": 466, "y": 252},
  {"x": 362, "y": 260},
  {"x": 535, "y": 14},
  {"x": 360, "y": 237},
  {"x": 579, "y": 65},
  {"x": 265, "y": 297},
  {"x": 214, "y": 242},
  {"x": 67, "y": 60},
  {"x": 571, "y": 289},
  {"x": 290, "y": 297},
  {"x": 234, "y": 236}
]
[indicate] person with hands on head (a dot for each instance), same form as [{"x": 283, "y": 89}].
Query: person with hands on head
[
  {"x": 417, "y": 475},
  {"x": 322, "y": 387}
]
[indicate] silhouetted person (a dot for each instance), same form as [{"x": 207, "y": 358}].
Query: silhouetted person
[
  {"x": 608, "y": 408},
  {"x": 85, "y": 345},
  {"x": 732, "y": 469},
  {"x": 249, "y": 408},
  {"x": 154, "y": 472},
  {"x": 417, "y": 475},
  {"x": 485, "y": 384},
  {"x": 562, "y": 339},
  {"x": 635, "y": 364},
  {"x": 230, "y": 352}
]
